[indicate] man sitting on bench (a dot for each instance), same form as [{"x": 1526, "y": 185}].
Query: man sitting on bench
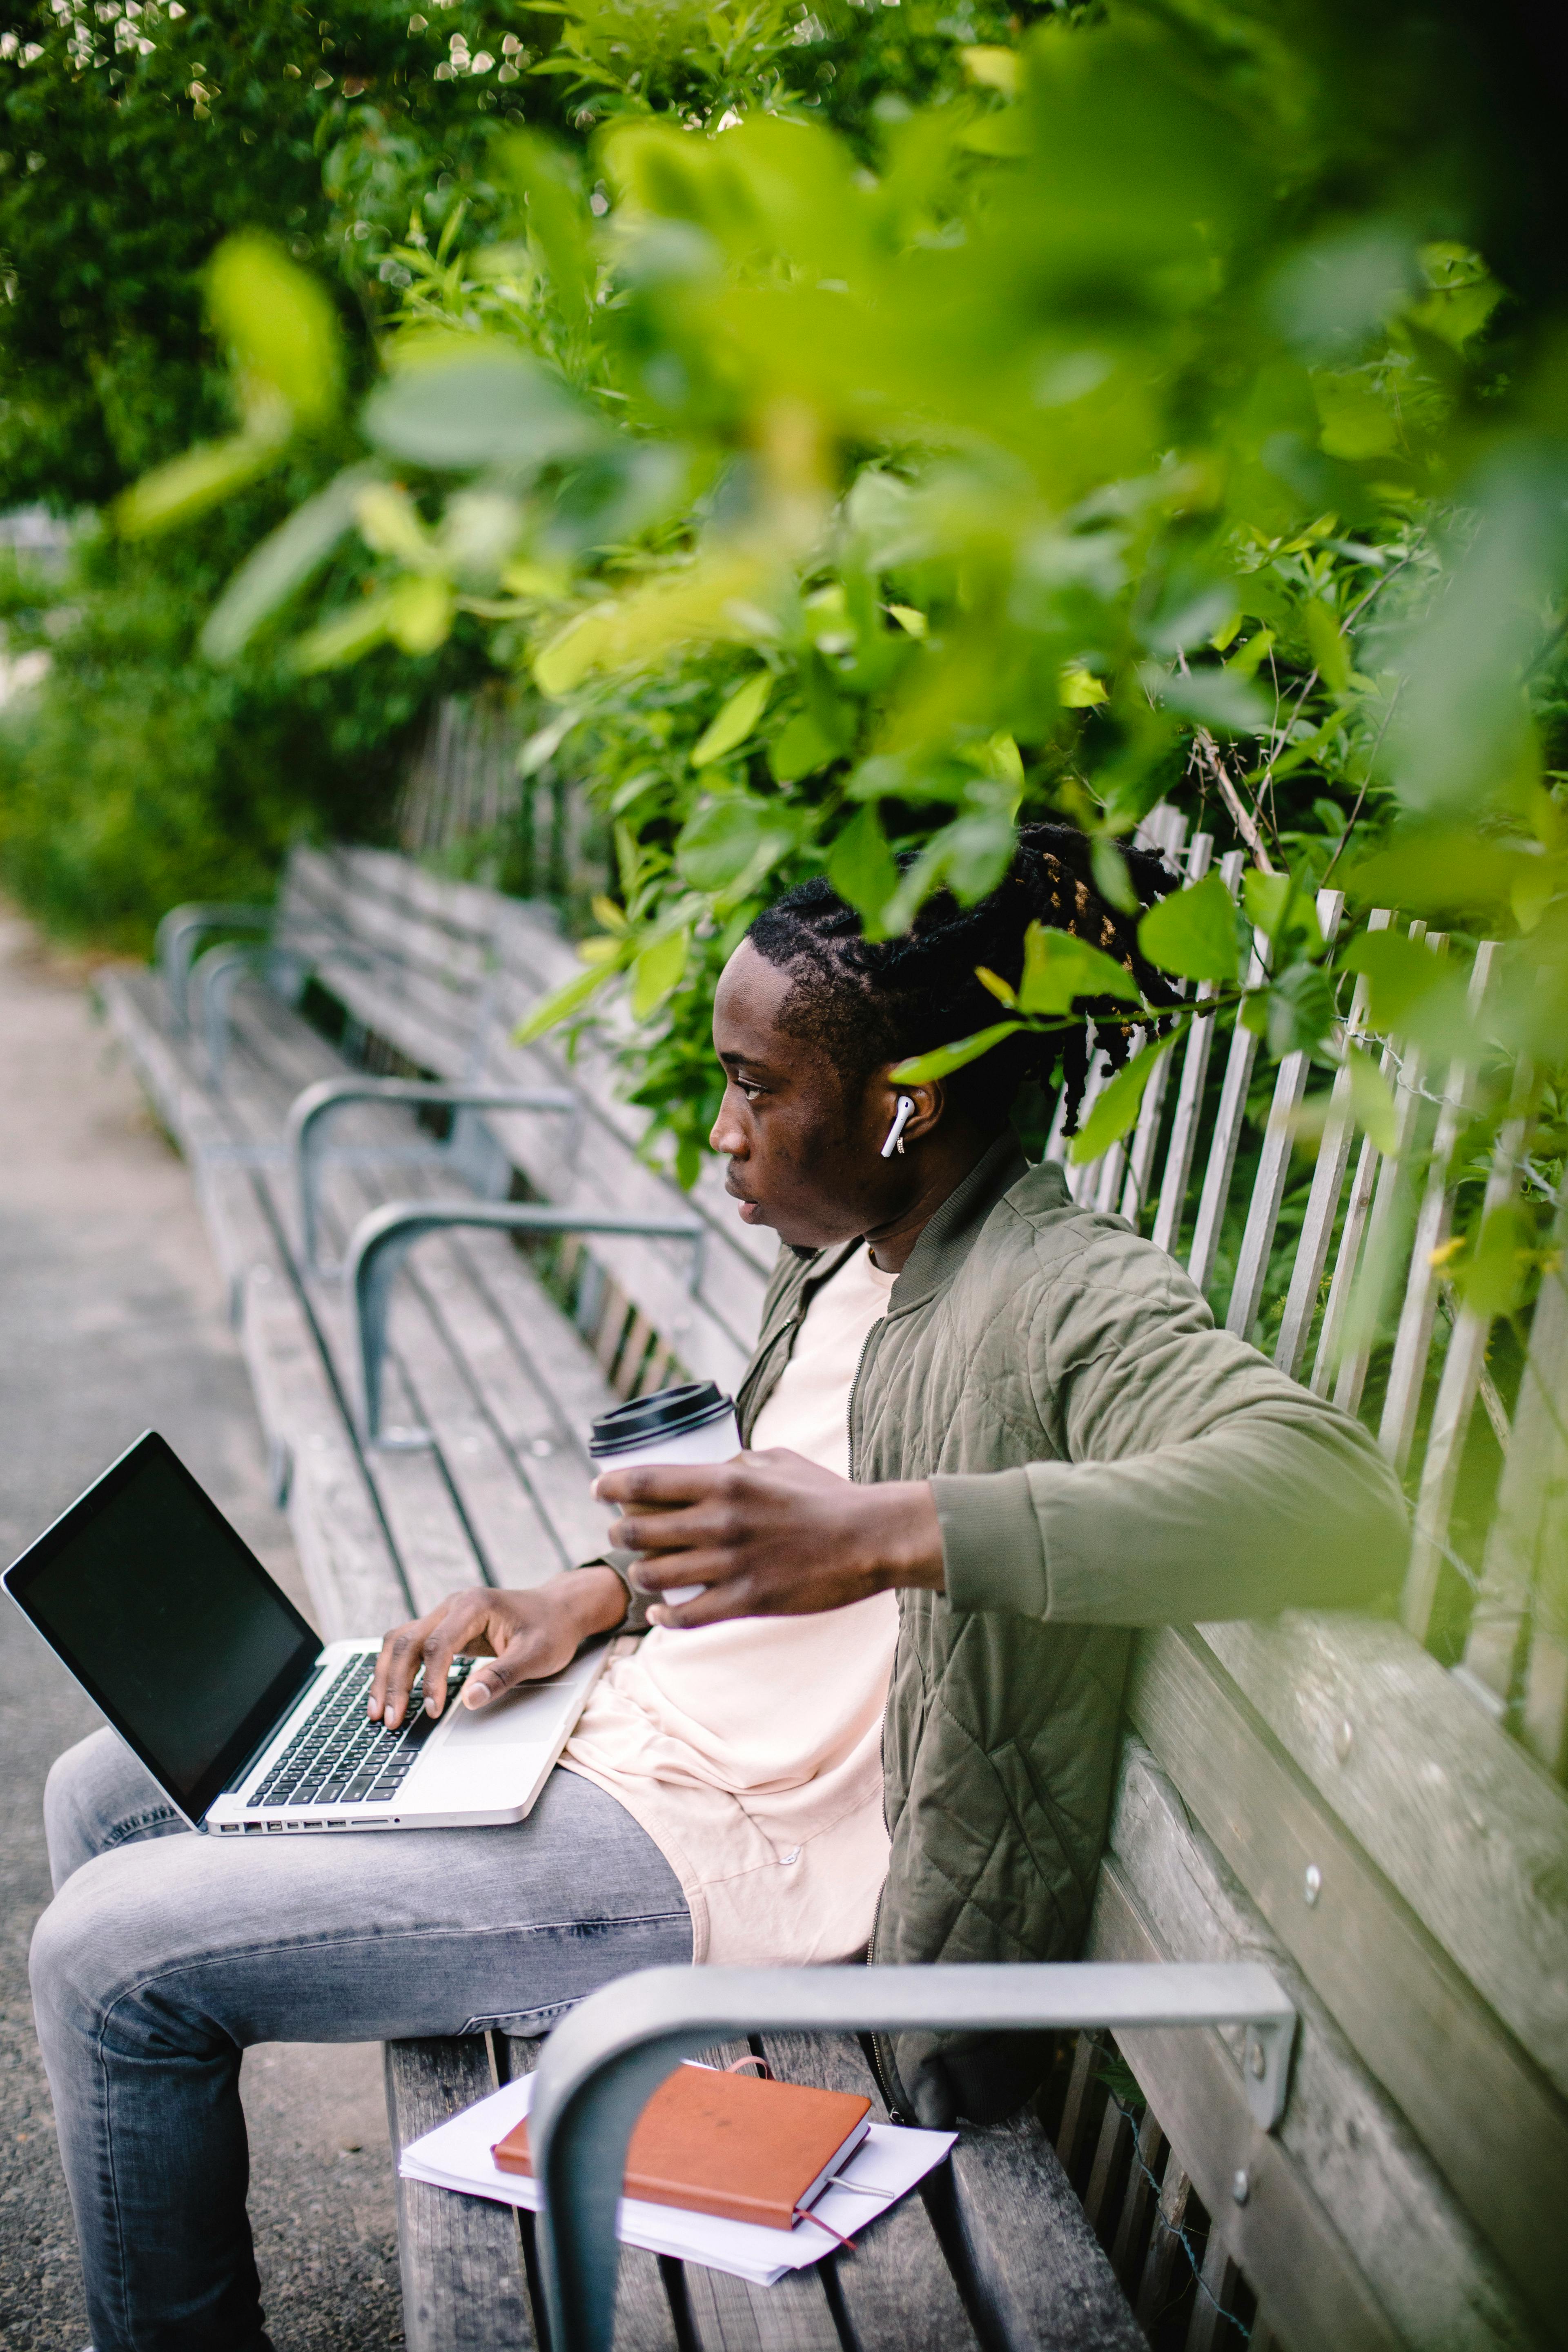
[{"x": 990, "y": 1431}]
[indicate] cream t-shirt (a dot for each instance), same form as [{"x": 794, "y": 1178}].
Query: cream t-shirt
[{"x": 751, "y": 1751}]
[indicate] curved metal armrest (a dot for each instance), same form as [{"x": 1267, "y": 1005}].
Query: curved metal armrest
[
  {"x": 382, "y": 1241},
  {"x": 604, "y": 2062},
  {"x": 174, "y": 943},
  {"x": 304, "y": 1132},
  {"x": 218, "y": 973}
]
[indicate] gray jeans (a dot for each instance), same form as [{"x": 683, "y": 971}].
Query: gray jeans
[{"x": 164, "y": 1955}]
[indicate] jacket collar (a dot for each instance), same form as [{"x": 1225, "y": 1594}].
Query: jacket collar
[{"x": 948, "y": 1238}]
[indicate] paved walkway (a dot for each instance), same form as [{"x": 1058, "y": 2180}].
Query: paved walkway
[{"x": 111, "y": 1321}]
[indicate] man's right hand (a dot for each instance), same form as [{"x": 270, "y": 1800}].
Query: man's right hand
[{"x": 528, "y": 1635}]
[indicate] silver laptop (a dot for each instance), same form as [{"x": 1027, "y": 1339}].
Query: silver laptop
[{"x": 204, "y": 1667}]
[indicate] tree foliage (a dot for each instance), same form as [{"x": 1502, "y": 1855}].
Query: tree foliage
[{"x": 1160, "y": 405}]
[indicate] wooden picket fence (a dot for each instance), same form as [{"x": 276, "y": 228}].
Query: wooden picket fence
[{"x": 1357, "y": 1293}]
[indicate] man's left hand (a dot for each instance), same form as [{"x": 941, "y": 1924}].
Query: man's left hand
[{"x": 769, "y": 1535}]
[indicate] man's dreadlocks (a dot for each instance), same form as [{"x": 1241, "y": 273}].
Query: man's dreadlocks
[{"x": 865, "y": 1003}]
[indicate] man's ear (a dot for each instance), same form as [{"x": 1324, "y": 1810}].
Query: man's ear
[{"x": 930, "y": 1102}]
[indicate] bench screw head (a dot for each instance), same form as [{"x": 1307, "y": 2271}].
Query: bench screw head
[
  {"x": 1241, "y": 2188},
  {"x": 1314, "y": 1886},
  {"x": 1344, "y": 1739}
]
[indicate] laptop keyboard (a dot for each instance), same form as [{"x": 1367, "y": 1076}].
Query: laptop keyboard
[{"x": 339, "y": 1757}]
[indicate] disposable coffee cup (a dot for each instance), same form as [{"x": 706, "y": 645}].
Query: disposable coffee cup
[{"x": 695, "y": 1423}]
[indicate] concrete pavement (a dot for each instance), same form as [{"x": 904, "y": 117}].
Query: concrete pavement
[{"x": 111, "y": 1321}]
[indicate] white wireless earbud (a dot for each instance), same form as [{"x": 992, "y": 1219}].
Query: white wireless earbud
[{"x": 902, "y": 1119}]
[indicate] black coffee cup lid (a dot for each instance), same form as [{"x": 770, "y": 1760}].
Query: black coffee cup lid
[{"x": 668, "y": 1412}]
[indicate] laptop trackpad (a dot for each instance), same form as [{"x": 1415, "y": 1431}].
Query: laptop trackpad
[{"x": 523, "y": 1719}]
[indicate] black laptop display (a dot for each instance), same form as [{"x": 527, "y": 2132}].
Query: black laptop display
[{"x": 168, "y": 1620}]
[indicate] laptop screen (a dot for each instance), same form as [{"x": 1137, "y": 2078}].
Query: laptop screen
[{"x": 168, "y": 1620}]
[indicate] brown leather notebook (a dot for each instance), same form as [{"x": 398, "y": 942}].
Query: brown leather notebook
[{"x": 729, "y": 2144}]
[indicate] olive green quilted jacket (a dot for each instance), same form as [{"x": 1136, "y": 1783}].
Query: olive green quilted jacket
[{"x": 1102, "y": 1457}]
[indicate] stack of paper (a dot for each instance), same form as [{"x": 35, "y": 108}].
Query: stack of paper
[{"x": 887, "y": 2163}]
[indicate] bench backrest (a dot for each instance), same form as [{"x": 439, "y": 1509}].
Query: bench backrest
[{"x": 1320, "y": 1792}]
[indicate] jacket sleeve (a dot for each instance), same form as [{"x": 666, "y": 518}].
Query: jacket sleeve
[{"x": 1191, "y": 1482}]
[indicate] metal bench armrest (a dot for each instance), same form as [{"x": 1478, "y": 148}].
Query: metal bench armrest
[
  {"x": 603, "y": 2063},
  {"x": 174, "y": 943},
  {"x": 311, "y": 1111},
  {"x": 382, "y": 1241}
]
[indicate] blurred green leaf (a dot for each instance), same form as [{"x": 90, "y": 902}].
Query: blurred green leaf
[
  {"x": 1372, "y": 1100},
  {"x": 1116, "y": 1107},
  {"x": 922, "y": 1069},
  {"x": 735, "y": 721},
  {"x": 204, "y": 478},
  {"x": 800, "y": 749},
  {"x": 421, "y": 614},
  {"x": 486, "y": 408},
  {"x": 861, "y": 867},
  {"x": 1490, "y": 1277},
  {"x": 283, "y": 561},
  {"x": 569, "y": 997},
  {"x": 722, "y": 842},
  {"x": 281, "y": 330},
  {"x": 1399, "y": 971},
  {"x": 1193, "y": 932},
  {"x": 1060, "y": 971},
  {"x": 1302, "y": 1010},
  {"x": 345, "y": 636},
  {"x": 657, "y": 970},
  {"x": 1081, "y": 689},
  {"x": 1281, "y": 910},
  {"x": 1330, "y": 650},
  {"x": 1220, "y": 698},
  {"x": 1111, "y": 878}
]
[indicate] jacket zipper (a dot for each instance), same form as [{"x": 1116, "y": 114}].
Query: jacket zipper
[
  {"x": 871, "y": 2042},
  {"x": 855, "y": 1384}
]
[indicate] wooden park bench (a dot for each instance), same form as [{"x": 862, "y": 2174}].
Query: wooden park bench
[{"x": 1382, "y": 1830}]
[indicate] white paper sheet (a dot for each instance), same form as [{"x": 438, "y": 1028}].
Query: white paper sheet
[{"x": 887, "y": 2163}]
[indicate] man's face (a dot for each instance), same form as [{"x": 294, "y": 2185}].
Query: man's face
[{"x": 802, "y": 1144}]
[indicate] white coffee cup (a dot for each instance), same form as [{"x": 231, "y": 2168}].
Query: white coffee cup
[{"x": 695, "y": 1423}]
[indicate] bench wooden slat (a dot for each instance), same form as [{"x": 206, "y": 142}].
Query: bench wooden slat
[
  {"x": 729, "y": 2315},
  {"x": 643, "y": 2320},
  {"x": 1160, "y": 2280},
  {"x": 1034, "y": 2266},
  {"x": 1371, "y": 2198},
  {"x": 896, "y": 2288},
  {"x": 1474, "y": 2095},
  {"x": 461, "y": 2257},
  {"x": 1218, "y": 2277},
  {"x": 540, "y": 1383},
  {"x": 1474, "y": 1842},
  {"x": 1279, "y": 2235}
]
